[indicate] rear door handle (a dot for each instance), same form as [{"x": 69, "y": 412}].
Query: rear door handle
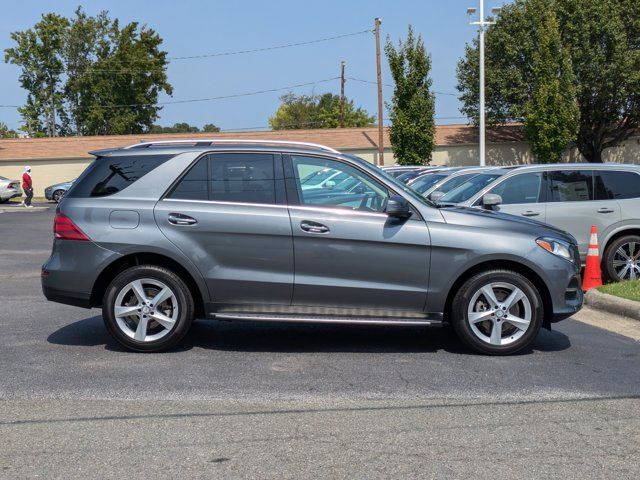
[
  {"x": 605, "y": 210},
  {"x": 181, "y": 219},
  {"x": 313, "y": 227},
  {"x": 530, "y": 213}
]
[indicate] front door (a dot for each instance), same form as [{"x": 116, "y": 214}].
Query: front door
[
  {"x": 348, "y": 253},
  {"x": 522, "y": 195},
  {"x": 228, "y": 215}
]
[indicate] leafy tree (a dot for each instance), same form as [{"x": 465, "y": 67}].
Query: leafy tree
[
  {"x": 601, "y": 39},
  {"x": 412, "y": 107},
  {"x": 101, "y": 78},
  {"x": 316, "y": 111},
  {"x": 39, "y": 52},
  {"x": 6, "y": 132},
  {"x": 184, "y": 128}
]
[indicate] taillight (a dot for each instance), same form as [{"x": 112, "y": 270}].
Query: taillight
[{"x": 65, "y": 229}]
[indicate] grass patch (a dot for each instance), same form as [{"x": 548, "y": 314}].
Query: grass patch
[{"x": 629, "y": 290}]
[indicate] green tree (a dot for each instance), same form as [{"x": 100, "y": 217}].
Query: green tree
[
  {"x": 210, "y": 128},
  {"x": 98, "y": 77},
  {"x": 316, "y": 111},
  {"x": 182, "y": 127},
  {"x": 38, "y": 52},
  {"x": 6, "y": 132},
  {"x": 412, "y": 107},
  {"x": 601, "y": 39}
]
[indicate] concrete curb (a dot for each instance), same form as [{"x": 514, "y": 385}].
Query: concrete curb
[
  {"x": 21, "y": 209},
  {"x": 612, "y": 304}
]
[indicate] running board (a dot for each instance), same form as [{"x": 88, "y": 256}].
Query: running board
[{"x": 327, "y": 319}]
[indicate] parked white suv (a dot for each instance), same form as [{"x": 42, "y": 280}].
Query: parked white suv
[{"x": 573, "y": 197}]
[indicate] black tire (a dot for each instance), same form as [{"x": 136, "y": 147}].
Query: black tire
[
  {"x": 608, "y": 269},
  {"x": 464, "y": 296},
  {"x": 183, "y": 298},
  {"x": 57, "y": 195}
]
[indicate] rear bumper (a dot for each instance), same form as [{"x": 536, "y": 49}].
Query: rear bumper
[{"x": 77, "y": 299}]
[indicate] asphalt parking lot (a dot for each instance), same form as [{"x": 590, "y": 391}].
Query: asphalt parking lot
[{"x": 295, "y": 401}]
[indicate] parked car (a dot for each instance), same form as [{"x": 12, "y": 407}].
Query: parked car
[
  {"x": 406, "y": 177},
  {"x": 9, "y": 189},
  {"x": 452, "y": 181},
  {"x": 159, "y": 233},
  {"x": 397, "y": 170},
  {"x": 467, "y": 189},
  {"x": 573, "y": 197},
  {"x": 57, "y": 191},
  {"x": 426, "y": 180}
]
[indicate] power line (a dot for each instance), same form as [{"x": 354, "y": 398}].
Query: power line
[
  {"x": 391, "y": 85},
  {"x": 208, "y": 99},
  {"x": 128, "y": 71},
  {"x": 276, "y": 47}
]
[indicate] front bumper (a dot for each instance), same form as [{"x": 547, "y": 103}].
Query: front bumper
[{"x": 48, "y": 193}]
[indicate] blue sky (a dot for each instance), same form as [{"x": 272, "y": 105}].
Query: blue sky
[{"x": 195, "y": 27}]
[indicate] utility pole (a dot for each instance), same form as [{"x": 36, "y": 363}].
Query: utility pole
[
  {"x": 380, "y": 123},
  {"x": 342, "y": 82},
  {"x": 482, "y": 24},
  {"x": 52, "y": 122}
]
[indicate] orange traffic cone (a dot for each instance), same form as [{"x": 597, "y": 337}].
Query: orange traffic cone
[{"x": 592, "y": 273}]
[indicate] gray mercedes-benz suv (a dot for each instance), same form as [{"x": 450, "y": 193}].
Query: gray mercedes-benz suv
[{"x": 159, "y": 233}]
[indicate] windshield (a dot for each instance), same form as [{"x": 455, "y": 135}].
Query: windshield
[
  {"x": 468, "y": 189},
  {"x": 427, "y": 181}
]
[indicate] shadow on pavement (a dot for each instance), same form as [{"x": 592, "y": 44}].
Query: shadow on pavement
[{"x": 288, "y": 337}]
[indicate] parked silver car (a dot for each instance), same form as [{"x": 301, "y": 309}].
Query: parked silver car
[
  {"x": 574, "y": 197},
  {"x": 57, "y": 191},
  {"x": 9, "y": 189}
]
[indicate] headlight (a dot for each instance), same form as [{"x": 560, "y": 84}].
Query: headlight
[{"x": 555, "y": 246}]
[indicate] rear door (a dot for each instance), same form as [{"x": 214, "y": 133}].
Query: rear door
[
  {"x": 572, "y": 205},
  {"x": 228, "y": 215},
  {"x": 348, "y": 253},
  {"x": 523, "y": 195}
]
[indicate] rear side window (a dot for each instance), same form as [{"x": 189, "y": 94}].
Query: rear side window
[
  {"x": 617, "y": 185},
  {"x": 109, "y": 175},
  {"x": 571, "y": 186},
  {"x": 523, "y": 188},
  {"x": 230, "y": 177}
]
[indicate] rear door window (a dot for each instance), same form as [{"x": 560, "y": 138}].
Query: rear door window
[
  {"x": 616, "y": 185},
  {"x": 522, "y": 188},
  {"x": 229, "y": 177},
  {"x": 109, "y": 175},
  {"x": 570, "y": 186}
]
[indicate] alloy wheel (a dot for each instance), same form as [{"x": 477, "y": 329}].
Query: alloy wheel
[
  {"x": 499, "y": 313},
  {"x": 146, "y": 310},
  {"x": 626, "y": 261}
]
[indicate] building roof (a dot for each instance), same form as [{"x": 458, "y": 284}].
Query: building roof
[{"x": 338, "y": 138}]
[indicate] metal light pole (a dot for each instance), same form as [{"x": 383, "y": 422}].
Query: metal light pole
[{"x": 482, "y": 24}]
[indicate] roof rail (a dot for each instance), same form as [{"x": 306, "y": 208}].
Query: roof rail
[{"x": 213, "y": 141}]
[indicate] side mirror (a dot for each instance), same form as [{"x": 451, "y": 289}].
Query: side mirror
[
  {"x": 398, "y": 207},
  {"x": 490, "y": 200},
  {"x": 436, "y": 196},
  {"x": 329, "y": 184}
]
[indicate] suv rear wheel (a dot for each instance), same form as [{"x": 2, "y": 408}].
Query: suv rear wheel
[
  {"x": 497, "y": 312},
  {"x": 622, "y": 259},
  {"x": 148, "y": 308}
]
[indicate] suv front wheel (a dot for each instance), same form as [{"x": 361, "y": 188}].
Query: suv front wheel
[
  {"x": 497, "y": 312},
  {"x": 148, "y": 308}
]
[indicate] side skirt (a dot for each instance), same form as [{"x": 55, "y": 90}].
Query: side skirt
[{"x": 346, "y": 320}]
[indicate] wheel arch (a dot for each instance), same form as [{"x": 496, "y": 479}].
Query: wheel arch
[
  {"x": 612, "y": 237},
  {"x": 146, "y": 258},
  {"x": 524, "y": 270}
]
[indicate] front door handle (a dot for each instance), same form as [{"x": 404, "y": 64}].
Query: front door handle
[
  {"x": 181, "y": 219},
  {"x": 530, "y": 213},
  {"x": 605, "y": 210},
  {"x": 313, "y": 227}
]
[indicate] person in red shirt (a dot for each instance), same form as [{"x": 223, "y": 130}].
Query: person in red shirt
[{"x": 27, "y": 186}]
